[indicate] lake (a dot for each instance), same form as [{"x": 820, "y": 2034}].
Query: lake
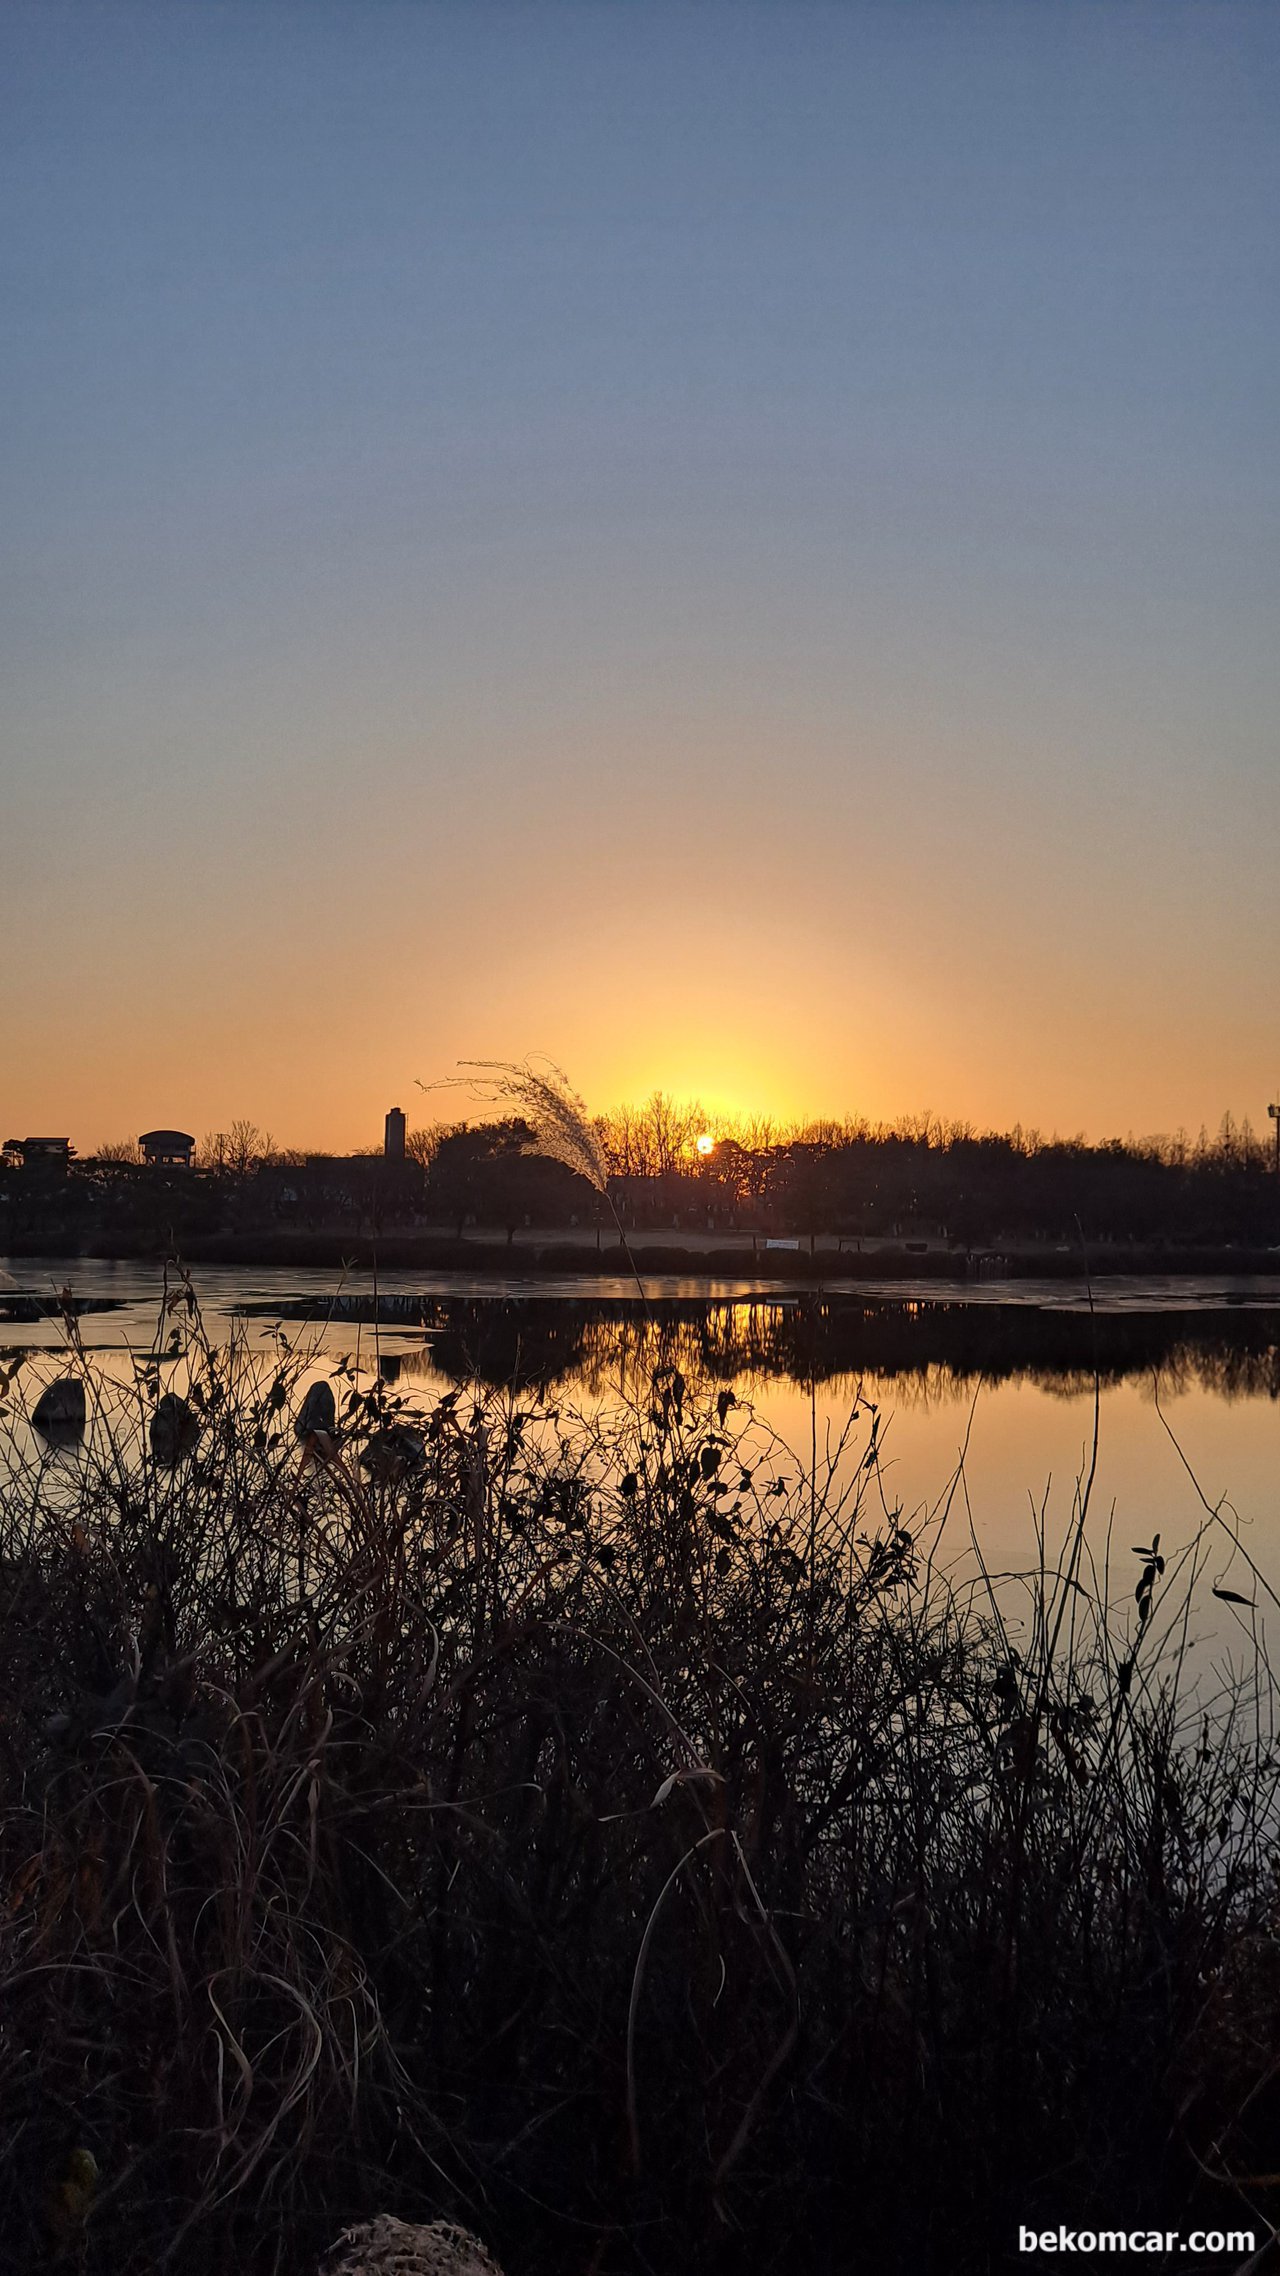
[{"x": 1187, "y": 1374}]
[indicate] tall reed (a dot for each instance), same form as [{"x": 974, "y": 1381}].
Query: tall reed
[{"x": 597, "y": 1828}]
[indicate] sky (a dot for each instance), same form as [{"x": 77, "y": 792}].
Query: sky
[{"x": 731, "y": 545}]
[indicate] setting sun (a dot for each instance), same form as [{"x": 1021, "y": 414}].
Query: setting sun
[{"x": 706, "y": 1143}]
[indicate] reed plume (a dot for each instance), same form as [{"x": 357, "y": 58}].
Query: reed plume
[{"x": 547, "y": 1104}]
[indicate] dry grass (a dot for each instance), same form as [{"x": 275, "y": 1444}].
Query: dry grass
[{"x": 598, "y": 1831}]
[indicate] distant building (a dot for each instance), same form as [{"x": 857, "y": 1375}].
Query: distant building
[
  {"x": 393, "y": 1136},
  {"x": 167, "y": 1149},
  {"x": 40, "y": 1153}
]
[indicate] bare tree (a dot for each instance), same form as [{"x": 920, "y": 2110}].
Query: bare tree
[
  {"x": 247, "y": 1148},
  {"x": 650, "y": 1140},
  {"x": 116, "y": 1150},
  {"x": 236, "y": 1152},
  {"x": 422, "y": 1146}
]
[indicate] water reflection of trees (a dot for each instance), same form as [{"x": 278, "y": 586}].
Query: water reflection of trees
[{"x": 934, "y": 1354}]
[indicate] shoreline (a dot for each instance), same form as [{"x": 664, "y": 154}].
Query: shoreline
[{"x": 712, "y": 1261}]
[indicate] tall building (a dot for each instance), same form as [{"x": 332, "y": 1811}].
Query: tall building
[{"x": 393, "y": 1136}]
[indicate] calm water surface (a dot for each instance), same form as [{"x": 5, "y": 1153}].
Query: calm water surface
[{"x": 1189, "y": 1374}]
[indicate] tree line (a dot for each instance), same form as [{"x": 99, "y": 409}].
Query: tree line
[
  {"x": 669, "y": 1163},
  {"x": 879, "y": 1179}
]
